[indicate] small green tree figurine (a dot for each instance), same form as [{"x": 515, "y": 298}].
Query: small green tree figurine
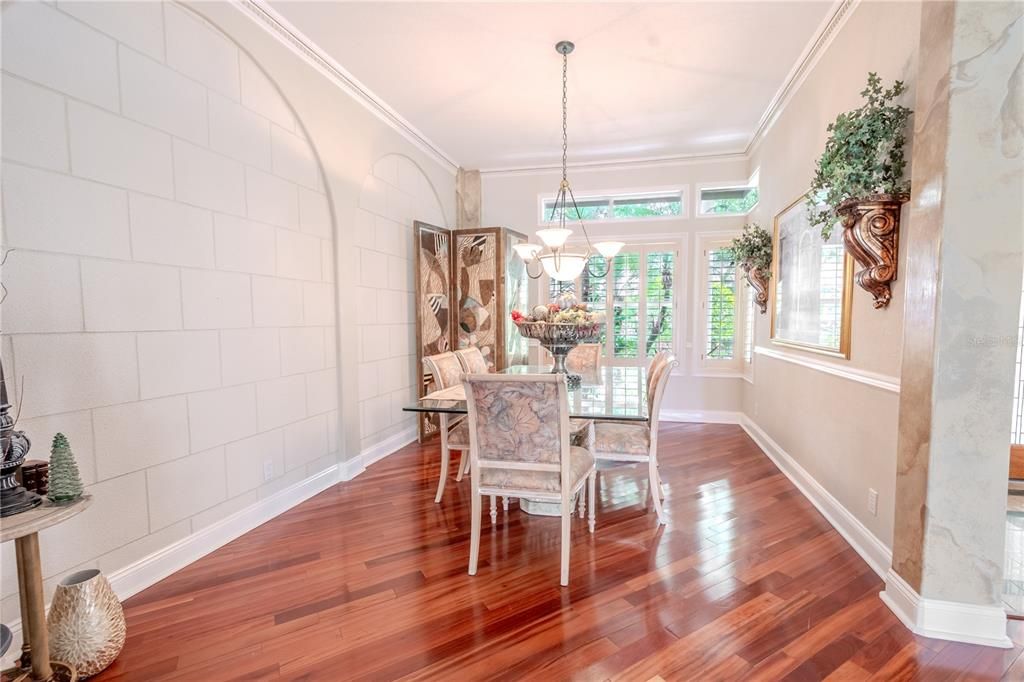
[{"x": 65, "y": 483}]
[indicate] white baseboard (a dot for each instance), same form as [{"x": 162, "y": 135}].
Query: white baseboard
[
  {"x": 153, "y": 568},
  {"x": 376, "y": 452},
  {"x": 701, "y": 416},
  {"x": 955, "y": 621},
  {"x": 871, "y": 549}
]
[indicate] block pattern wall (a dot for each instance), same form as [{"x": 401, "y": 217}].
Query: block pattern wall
[
  {"x": 170, "y": 298},
  {"x": 395, "y": 193}
]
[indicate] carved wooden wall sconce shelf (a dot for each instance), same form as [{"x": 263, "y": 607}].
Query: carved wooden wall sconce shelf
[
  {"x": 871, "y": 233},
  {"x": 759, "y": 282}
]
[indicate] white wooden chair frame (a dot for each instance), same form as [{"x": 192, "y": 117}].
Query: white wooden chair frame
[
  {"x": 566, "y": 494},
  {"x": 446, "y": 423},
  {"x": 654, "y": 398}
]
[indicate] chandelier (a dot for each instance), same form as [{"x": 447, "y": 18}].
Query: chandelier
[{"x": 555, "y": 258}]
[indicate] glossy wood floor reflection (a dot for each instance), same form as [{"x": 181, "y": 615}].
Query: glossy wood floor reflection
[{"x": 368, "y": 581}]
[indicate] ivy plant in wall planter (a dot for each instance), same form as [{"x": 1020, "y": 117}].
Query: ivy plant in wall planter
[
  {"x": 859, "y": 183},
  {"x": 752, "y": 250}
]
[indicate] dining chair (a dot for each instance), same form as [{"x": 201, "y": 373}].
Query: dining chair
[
  {"x": 472, "y": 360},
  {"x": 519, "y": 446},
  {"x": 585, "y": 357},
  {"x": 447, "y": 372},
  {"x": 638, "y": 441}
]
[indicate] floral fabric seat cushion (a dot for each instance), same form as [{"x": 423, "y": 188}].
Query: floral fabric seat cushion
[
  {"x": 580, "y": 462},
  {"x": 615, "y": 438},
  {"x": 458, "y": 436}
]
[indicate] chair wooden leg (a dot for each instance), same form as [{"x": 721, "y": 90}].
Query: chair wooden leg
[
  {"x": 661, "y": 484},
  {"x": 474, "y": 534},
  {"x": 494, "y": 509},
  {"x": 445, "y": 456},
  {"x": 466, "y": 470},
  {"x": 592, "y": 489},
  {"x": 462, "y": 465},
  {"x": 583, "y": 504},
  {"x": 566, "y": 526},
  {"x": 504, "y": 503},
  {"x": 655, "y": 485}
]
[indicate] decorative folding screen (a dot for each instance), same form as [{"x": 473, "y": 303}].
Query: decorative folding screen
[{"x": 485, "y": 281}]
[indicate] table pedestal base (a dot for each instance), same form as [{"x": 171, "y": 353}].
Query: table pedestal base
[{"x": 540, "y": 507}]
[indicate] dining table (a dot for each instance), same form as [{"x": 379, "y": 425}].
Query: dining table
[{"x": 608, "y": 393}]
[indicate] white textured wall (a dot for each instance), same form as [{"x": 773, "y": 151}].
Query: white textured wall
[
  {"x": 395, "y": 193},
  {"x": 841, "y": 431},
  {"x": 170, "y": 306},
  {"x": 511, "y": 200}
]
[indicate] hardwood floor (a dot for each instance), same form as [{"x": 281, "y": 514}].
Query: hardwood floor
[{"x": 368, "y": 581}]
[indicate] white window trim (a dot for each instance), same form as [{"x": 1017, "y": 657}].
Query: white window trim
[
  {"x": 684, "y": 212},
  {"x": 753, "y": 181},
  {"x": 678, "y": 312},
  {"x": 703, "y": 367}
]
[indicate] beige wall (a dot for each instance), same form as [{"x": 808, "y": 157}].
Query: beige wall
[{"x": 843, "y": 432}]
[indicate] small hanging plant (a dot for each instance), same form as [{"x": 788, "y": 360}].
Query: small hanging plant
[
  {"x": 863, "y": 156},
  {"x": 752, "y": 250}
]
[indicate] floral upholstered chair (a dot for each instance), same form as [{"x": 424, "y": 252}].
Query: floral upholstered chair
[
  {"x": 472, "y": 360},
  {"x": 585, "y": 357},
  {"x": 519, "y": 447},
  {"x": 447, "y": 372},
  {"x": 638, "y": 441}
]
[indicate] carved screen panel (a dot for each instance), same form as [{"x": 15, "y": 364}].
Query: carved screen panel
[
  {"x": 434, "y": 304},
  {"x": 477, "y": 280}
]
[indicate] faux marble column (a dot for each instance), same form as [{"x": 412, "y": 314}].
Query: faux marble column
[
  {"x": 467, "y": 199},
  {"x": 963, "y": 284}
]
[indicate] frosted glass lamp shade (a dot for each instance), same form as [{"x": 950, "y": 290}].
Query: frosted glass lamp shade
[
  {"x": 564, "y": 267},
  {"x": 554, "y": 237},
  {"x": 609, "y": 249},
  {"x": 527, "y": 251}
]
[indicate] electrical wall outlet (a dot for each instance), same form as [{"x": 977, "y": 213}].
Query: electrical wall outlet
[
  {"x": 268, "y": 469},
  {"x": 873, "y": 501}
]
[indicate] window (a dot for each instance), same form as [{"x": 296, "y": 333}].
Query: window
[
  {"x": 631, "y": 206},
  {"x": 717, "y": 333},
  {"x": 720, "y": 305},
  {"x": 727, "y": 200},
  {"x": 638, "y": 298}
]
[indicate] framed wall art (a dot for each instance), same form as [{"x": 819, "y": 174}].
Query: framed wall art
[{"x": 812, "y": 285}]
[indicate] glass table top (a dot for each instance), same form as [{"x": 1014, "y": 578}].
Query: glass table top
[{"x": 607, "y": 393}]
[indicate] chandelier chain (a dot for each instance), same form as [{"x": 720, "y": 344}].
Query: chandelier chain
[{"x": 565, "y": 114}]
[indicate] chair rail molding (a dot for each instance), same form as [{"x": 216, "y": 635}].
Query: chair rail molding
[
  {"x": 882, "y": 381},
  {"x": 967, "y": 623}
]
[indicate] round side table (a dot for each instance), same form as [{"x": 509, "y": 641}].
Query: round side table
[{"x": 24, "y": 529}]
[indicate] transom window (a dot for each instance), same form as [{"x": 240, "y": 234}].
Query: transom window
[
  {"x": 727, "y": 200},
  {"x": 627, "y": 206},
  {"x": 638, "y": 299}
]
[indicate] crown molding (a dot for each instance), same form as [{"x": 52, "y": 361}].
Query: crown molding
[
  {"x": 298, "y": 43},
  {"x": 805, "y": 63},
  {"x": 618, "y": 164}
]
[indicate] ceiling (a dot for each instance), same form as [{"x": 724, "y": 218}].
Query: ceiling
[{"x": 482, "y": 81}]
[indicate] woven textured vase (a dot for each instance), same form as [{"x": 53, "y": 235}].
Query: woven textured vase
[{"x": 86, "y": 622}]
